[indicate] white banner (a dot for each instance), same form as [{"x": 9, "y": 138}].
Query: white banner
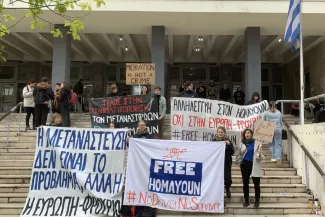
[
  {"x": 171, "y": 175},
  {"x": 198, "y": 119},
  {"x": 77, "y": 172}
]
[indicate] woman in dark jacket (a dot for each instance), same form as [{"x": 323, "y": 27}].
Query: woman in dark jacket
[
  {"x": 65, "y": 104},
  {"x": 221, "y": 136},
  {"x": 255, "y": 99}
]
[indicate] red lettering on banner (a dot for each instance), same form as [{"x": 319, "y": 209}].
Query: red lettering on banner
[
  {"x": 196, "y": 122},
  {"x": 244, "y": 124},
  {"x": 178, "y": 120},
  {"x": 111, "y": 102},
  {"x": 216, "y": 122}
]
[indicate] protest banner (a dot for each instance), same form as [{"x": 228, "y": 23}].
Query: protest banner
[
  {"x": 198, "y": 119},
  {"x": 173, "y": 176},
  {"x": 125, "y": 111},
  {"x": 264, "y": 130},
  {"x": 77, "y": 172},
  {"x": 140, "y": 73}
]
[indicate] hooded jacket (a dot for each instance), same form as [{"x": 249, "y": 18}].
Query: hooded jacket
[{"x": 43, "y": 93}]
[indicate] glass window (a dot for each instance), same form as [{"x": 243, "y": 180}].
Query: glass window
[
  {"x": 265, "y": 75},
  {"x": 122, "y": 73},
  {"x": 88, "y": 73},
  {"x": 26, "y": 72},
  {"x": 277, "y": 75},
  {"x": 215, "y": 74},
  {"x": 47, "y": 72},
  {"x": 236, "y": 74},
  {"x": 111, "y": 73},
  {"x": 194, "y": 74},
  {"x": 7, "y": 72},
  {"x": 173, "y": 74},
  {"x": 74, "y": 72}
]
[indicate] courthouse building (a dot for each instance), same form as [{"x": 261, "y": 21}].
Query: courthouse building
[{"x": 233, "y": 42}]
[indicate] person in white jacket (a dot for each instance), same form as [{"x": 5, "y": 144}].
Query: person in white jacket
[{"x": 29, "y": 103}]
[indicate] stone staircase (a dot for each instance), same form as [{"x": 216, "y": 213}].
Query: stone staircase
[{"x": 283, "y": 193}]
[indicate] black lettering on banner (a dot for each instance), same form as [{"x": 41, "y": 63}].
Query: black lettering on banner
[
  {"x": 245, "y": 112},
  {"x": 94, "y": 205},
  {"x": 190, "y": 105},
  {"x": 125, "y": 112}
]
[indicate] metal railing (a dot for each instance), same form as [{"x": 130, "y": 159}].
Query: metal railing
[
  {"x": 306, "y": 152},
  {"x": 298, "y": 101},
  {"x": 20, "y": 105}
]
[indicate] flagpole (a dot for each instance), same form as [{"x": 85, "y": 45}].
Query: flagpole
[{"x": 302, "y": 104}]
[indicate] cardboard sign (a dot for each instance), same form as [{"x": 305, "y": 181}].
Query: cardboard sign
[
  {"x": 264, "y": 130},
  {"x": 140, "y": 73}
]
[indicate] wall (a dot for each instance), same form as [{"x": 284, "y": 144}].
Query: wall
[{"x": 313, "y": 137}]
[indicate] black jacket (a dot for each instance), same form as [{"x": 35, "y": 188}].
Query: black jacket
[
  {"x": 228, "y": 162},
  {"x": 111, "y": 94},
  {"x": 64, "y": 96},
  {"x": 189, "y": 94},
  {"x": 78, "y": 88},
  {"x": 239, "y": 97},
  {"x": 225, "y": 94},
  {"x": 142, "y": 136},
  {"x": 43, "y": 93}
]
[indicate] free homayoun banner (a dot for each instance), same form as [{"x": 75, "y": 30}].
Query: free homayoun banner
[
  {"x": 171, "y": 175},
  {"x": 197, "y": 119}
]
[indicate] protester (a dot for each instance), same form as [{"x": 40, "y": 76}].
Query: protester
[
  {"x": 255, "y": 99},
  {"x": 56, "y": 120},
  {"x": 201, "y": 91},
  {"x": 29, "y": 103},
  {"x": 250, "y": 166},
  {"x": 114, "y": 91},
  {"x": 225, "y": 93},
  {"x": 111, "y": 125},
  {"x": 221, "y": 136},
  {"x": 295, "y": 109},
  {"x": 144, "y": 90},
  {"x": 318, "y": 104},
  {"x": 274, "y": 115},
  {"x": 56, "y": 108},
  {"x": 65, "y": 104},
  {"x": 212, "y": 90},
  {"x": 42, "y": 93},
  {"x": 188, "y": 92},
  {"x": 182, "y": 88},
  {"x": 239, "y": 97},
  {"x": 162, "y": 107},
  {"x": 79, "y": 90}
]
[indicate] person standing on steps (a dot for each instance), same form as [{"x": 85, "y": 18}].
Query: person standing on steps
[
  {"x": 251, "y": 165},
  {"x": 274, "y": 115},
  {"x": 239, "y": 97},
  {"x": 225, "y": 93},
  {"x": 79, "y": 90},
  {"x": 162, "y": 107},
  {"x": 144, "y": 90},
  {"x": 221, "y": 136},
  {"x": 114, "y": 91},
  {"x": 255, "y": 99},
  {"x": 29, "y": 103},
  {"x": 65, "y": 104},
  {"x": 189, "y": 92},
  {"x": 42, "y": 93}
]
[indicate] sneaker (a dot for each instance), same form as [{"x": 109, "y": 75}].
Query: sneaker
[
  {"x": 273, "y": 160},
  {"x": 257, "y": 205},
  {"x": 27, "y": 128},
  {"x": 246, "y": 204}
]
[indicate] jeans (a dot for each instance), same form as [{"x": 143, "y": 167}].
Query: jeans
[
  {"x": 65, "y": 111},
  {"x": 246, "y": 171},
  {"x": 30, "y": 111},
  {"x": 161, "y": 128},
  {"x": 276, "y": 145},
  {"x": 41, "y": 111}
]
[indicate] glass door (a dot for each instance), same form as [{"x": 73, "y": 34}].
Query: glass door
[
  {"x": 7, "y": 99},
  {"x": 266, "y": 92}
]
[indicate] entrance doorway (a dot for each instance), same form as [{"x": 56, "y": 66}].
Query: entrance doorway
[{"x": 7, "y": 96}]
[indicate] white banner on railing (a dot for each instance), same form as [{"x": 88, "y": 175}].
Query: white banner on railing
[
  {"x": 176, "y": 175},
  {"x": 77, "y": 172},
  {"x": 196, "y": 119}
]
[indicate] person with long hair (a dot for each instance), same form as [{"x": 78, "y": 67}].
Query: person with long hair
[
  {"x": 144, "y": 90},
  {"x": 65, "y": 104},
  {"x": 29, "y": 103},
  {"x": 274, "y": 115},
  {"x": 255, "y": 99},
  {"x": 221, "y": 136},
  {"x": 251, "y": 165}
]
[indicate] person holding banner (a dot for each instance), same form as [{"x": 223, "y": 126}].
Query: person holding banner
[
  {"x": 144, "y": 90},
  {"x": 255, "y": 99},
  {"x": 274, "y": 115},
  {"x": 251, "y": 165},
  {"x": 221, "y": 136}
]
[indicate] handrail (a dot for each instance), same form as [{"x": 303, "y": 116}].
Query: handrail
[
  {"x": 11, "y": 110},
  {"x": 311, "y": 158}
]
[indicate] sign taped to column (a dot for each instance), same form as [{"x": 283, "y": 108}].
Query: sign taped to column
[
  {"x": 173, "y": 176},
  {"x": 198, "y": 119},
  {"x": 140, "y": 73},
  {"x": 77, "y": 172}
]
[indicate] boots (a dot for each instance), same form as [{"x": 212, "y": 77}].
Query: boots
[
  {"x": 246, "y": 204},
  {"x": 228, "y": 193},
  {"x": 257, "y": 204}
]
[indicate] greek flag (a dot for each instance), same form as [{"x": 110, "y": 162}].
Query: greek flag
[{"x": 292, "y": 32}]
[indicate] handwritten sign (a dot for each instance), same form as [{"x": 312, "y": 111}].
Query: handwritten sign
[
  {"x": 140, "y": 73},
  {"x": 77, "y": 172},
  {"x": 264, "y": 130},
  {"x": 173, "y": 176}
]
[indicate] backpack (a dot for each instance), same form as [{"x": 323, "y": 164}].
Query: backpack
[{"x": 73, "y": 98}]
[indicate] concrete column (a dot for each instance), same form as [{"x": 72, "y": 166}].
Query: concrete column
[
  {"x": 98, "y": 79},
  {"x": 61, "y": 57},
  {"x": 252, "y": 61},
  {"x": 158, "y": 56}
]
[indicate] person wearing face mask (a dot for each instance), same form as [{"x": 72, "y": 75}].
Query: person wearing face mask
[
  {"x": 274, "y": 115},
  {"x": 189, "y": 92},
  {"x": 221, "y": 136},
  {"x": 212, "y": 90},
  {"x": 251, "y": 165},
  {"x": 255, "y": 99}
]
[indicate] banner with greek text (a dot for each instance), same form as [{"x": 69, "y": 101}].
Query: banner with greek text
[
  {"x": 198, "y": 119},
  {"x": 77, "y": 172},
  {"x": 171, "y": 175},
  {"x": 125, "y": 112}
]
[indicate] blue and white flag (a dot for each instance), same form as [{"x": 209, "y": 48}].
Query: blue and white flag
[{"x": 292, "y": 32}]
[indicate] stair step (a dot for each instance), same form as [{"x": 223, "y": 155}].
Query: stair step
[
  {"x": 271, "y": 171},
  {"x": 270, "y": 179},
  {"x": 271, "y": 188},
  {"x": 15, "y": 170},
  {"x": 14, "y": 188}
]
